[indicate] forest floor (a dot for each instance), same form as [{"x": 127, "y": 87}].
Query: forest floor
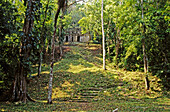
[{"x": 80, "y": 84}]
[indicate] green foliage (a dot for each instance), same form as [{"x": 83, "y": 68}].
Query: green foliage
[
  {"x": 92, "y": 20},
  {"x": 76, "y": 14},
  {"x": 9, "y": 43},
  {"x": 126, "y": 30},
  {"x": 13, "y": 16}
]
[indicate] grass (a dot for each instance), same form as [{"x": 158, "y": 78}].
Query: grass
[{"x": 80, "y": 84}]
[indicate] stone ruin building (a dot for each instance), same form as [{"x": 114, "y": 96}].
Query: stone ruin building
[{"x": 75, "y": 35}]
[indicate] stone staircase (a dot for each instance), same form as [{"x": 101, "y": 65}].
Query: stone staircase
[{"x": 87, "y": 95}]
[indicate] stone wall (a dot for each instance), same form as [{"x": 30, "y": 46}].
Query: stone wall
[{"x": 75, "y": 35}]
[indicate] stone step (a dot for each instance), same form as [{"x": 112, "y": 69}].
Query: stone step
[
  {"x": 83, "y": 99},
  {"x": 78, "y": 100},
  {"x": 88, "y": 91},
  {"x": 88, "y": 94},
  {"x": 92, "y": 89},
  {"x": 87, "y": 97}
]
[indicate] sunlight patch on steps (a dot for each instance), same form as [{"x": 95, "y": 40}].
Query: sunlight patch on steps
[
  {"x": 56, "y": 63},
  {"x": 58, "y": 93},
  {"x": 3, "y": 110},
  {"x": 67, "y": 84},
  {"x": 54, "y": 101},
  {"x": 43, "y": 64},
  {"x": 44, "y": 72},
  {"x": 92, "y": 48},
  {"x": 80, "y": 68},
  {"x": 35, "y": 74},
  {"x": 106, "y": 93}
]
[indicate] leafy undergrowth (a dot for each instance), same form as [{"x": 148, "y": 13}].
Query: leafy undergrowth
[{"x": 80, "y": 84}]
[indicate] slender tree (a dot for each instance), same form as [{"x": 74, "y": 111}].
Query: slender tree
[
  {"x": 108, "y": 41},
  {"x": 60, "y": 6},
  {"x": 117, "y": 44},
  {"x": 61, "y": 29},
  {"x": 117, "y": 38},
  {"x": 145, "y": 59},
  {"x": 103, "y": 36}
]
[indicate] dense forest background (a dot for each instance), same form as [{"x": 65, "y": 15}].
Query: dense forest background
[
  {"x": 127, "y": 30},
  {"x": 136, "y": 32}
]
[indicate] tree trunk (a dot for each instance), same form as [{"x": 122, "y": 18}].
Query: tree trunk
[
  {"x": 145, "y": 60},
  {"x": 61, "y": 36},
  {"x": 109, "y": 50},
  {"x": 144, "y": 56},
  {"x": 60, "y": 5},
  {"x": 60, "y": 42},
  {"x": 104, "y": 50},
  {"x": 51, "y": 69},
  {"x": 20, "y": 84},
  {"x": 90, "y": 38},
  {"x": 108, "y": 41},
  {"x": 42, "y": 42},
  {"x": 117, "y": 44},
  {"x": 40, "y": 63}
]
